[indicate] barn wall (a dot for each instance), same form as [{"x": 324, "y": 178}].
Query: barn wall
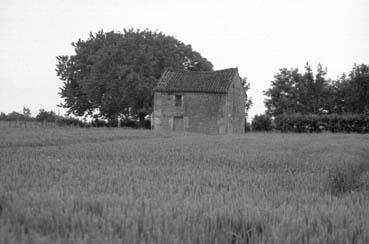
[
  {"x": 202, "y": 112},
  {"x": 236, "y": 107}
]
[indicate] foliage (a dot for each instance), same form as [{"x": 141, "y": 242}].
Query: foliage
[
  {"x": 316, "y": 123},
  {"x": 15, "y": 116},
  {"x": 113, "y": 74},
  {"x": 53, "y": 118},
  {"x": 72, "y": 185},
  {"x": 248, "y": 100},
  {"x": 358, "y": 91},
  {"x": 127, "y": 122},
  {"x": 293, "y": 92},
  {"x": 50, "y": 116},
  {"x": 47, "y": 116},
  {"x": 69, "y": 121},
  {"x": 12, "y": 116},
  {"x": 99, "y": 123},
  {"x": 26, "y": 113},
  {"x": 261, "y": 122}
]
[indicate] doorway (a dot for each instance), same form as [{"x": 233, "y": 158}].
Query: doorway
[{"x": 178, "y": 123}]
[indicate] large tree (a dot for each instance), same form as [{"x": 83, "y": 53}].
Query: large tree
[
  {"x": 293, "y": 92},
  {"x": 312, "y": 90},
  {"x": 357, "y": 93},
  {"x": 113, "y": 74},
  {"x": 283, "y": 95}
]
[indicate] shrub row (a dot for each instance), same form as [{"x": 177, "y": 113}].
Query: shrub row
[
  {"x": 316, "y": 123},
  {"x": 69, "y": 121},
  {"x": 261, "y": 122},
  {"x": 51, "y": 117}
]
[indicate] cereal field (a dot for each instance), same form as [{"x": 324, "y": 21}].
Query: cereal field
[{"x": 72, "y": 185}]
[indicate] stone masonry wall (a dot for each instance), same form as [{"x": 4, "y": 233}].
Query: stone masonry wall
[
  {"x": 202, "y": 112},
  {"x": 236, "y": 107}
]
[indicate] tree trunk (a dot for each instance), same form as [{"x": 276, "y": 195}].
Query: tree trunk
[{"x": 141, "y": 117}]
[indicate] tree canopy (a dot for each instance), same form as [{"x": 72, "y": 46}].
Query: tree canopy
[
  {"x": 293, "y": 92},
  {"x": 113, "y": 73},
  {"x": 248, "y": 100}
]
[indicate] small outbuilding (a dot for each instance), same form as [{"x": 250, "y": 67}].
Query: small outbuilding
[{"x": 211, "y": 102}]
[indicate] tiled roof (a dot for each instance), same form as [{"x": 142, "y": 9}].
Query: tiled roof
[{"x": 196, "y": 81}]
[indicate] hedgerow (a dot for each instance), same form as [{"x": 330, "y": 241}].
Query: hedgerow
[
  {"x": 261, "y": 122},
  {"x": 316, "y": 123}
]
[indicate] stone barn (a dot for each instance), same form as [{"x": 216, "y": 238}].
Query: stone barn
[{"x": 211, "y": 102}]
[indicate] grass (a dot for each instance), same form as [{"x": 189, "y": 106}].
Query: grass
[{"x": 136, "y": 186}]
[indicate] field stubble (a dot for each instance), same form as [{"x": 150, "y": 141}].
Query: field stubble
[{"x": 135, "y": 186}]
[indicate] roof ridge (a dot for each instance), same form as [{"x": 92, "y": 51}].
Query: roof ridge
[
  {"x": 198, "y": 71},
  {"x": 197, "y": 81}
]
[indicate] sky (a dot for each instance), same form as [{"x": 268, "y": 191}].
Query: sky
[{"x": 258, "y": 37}]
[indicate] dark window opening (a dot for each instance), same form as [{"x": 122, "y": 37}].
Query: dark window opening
[{"x": 178, "y": 100}]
